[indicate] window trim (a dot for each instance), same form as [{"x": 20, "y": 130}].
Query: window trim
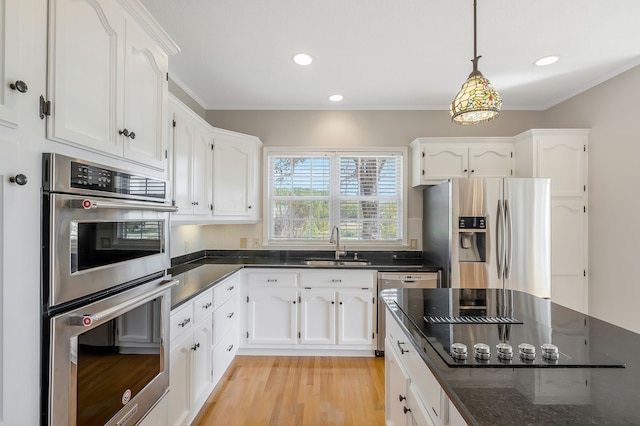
[{"x": 402, "y": 152}]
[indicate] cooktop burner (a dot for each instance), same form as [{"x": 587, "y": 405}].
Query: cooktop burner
[{"x": 503, "y": 328}]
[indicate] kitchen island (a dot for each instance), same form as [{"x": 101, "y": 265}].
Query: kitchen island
[{"x": 593, "y": 379}]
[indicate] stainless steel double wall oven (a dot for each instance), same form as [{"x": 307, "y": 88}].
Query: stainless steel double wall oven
[{"x": 106, "y": 298}]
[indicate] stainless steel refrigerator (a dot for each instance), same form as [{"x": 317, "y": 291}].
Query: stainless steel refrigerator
[{"x": 490, "y": 233}]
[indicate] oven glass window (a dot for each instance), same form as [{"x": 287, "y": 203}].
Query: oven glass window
[
  {"x": 95, "y": 244},
  {"x": 116, "y": 361}
]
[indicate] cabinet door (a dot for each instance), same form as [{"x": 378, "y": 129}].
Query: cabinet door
[
  {"x": 201, "y": 371},
  {"x": 201, "y": 170},
  {"x": 396, "y": 384},
  {"x": 273, "y": 316},
  {"x": 568, "y": 259},
  {"x": 490, "y": 161},
  {"x": 444, "y": 161},
  {"x": 180, "y": 380},
  {"x": 355, "y": 317},
  {"x": 233, "y": 171},
  {"x": 318, "y": 317},
  {"x": 85, "y": 74},
  {"x": 562, "y": 158},
  {"x": 145, "y": 99},
  {"x": 9, "y": 62},
  {"x": 183, "y": 140}
]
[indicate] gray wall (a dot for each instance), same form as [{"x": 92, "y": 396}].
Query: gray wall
[{"x": 614, "y": 141}]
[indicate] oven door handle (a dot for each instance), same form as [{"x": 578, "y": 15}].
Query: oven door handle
[
  {"x": 91, "y": 320},
  {"x": 88, "y": 204}
]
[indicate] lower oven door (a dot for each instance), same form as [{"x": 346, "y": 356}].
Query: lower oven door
[
  {"x": 98, "y": 243},
  {"x": 109, "y": 360}
]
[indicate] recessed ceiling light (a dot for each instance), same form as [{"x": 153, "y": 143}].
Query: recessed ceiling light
[
  {"x": 336, "y": 98},
  {"x": 547, "y": 60},
  {"x": 302, "y": 59}
]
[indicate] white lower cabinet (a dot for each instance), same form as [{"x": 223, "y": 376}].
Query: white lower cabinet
[
  {"x": 204, "y": 340},
  {"x": 317, "y": 317},
  {"x": 413, "y": 395},
  {"x": 190, "y": 378},
  {"x": 326, "y": 309},
  {"x": 273, "y": 316}
]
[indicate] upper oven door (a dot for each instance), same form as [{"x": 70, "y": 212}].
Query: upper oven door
[{"x": 97, "y": 243}]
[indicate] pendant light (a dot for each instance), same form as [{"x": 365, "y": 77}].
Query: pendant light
[{"x": 477, "y": 101}]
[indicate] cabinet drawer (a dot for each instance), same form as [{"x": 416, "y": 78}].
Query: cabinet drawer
[
  {"x": 224, "y": 317},
  {"x": 224, "y": 290},
  {"x": 224, "y": 352},
  {"x": 337, "y": 278},
  {"x": 203, "y": 306},
  {"x": 181, "y": 320},
  {"x": 272, "y": 279}
]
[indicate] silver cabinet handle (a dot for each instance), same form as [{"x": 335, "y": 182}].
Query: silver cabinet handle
[
  {"x": 230, "y": 288},
  {"x": 184, "y": 323},
  {"x": 272, "y": 280},
  {"x": 229, "y": 348},
  {"x": 207, "y": 306},
  {"x": 402, "y": 350},
  {"x": 336, "y": 281},
  {"x": 230, "y": 315}
]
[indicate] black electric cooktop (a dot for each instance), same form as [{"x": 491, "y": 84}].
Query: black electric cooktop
[{"x": 502, "y": 328}]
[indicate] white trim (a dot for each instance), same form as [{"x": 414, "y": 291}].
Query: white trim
[{"x": 182, "y": 85}]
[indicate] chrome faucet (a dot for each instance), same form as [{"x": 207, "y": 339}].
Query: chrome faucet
[{"x": 336, "y": 232}]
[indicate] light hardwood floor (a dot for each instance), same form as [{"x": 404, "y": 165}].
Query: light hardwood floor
[{"x": 266, "y": 390}]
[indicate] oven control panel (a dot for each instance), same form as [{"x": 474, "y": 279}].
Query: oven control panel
[{"x": 96, "y": 178}]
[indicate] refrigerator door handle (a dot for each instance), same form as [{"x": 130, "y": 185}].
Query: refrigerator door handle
[
  {"x": 499, "y": 239},
  {"x": 509, "y": 234}
]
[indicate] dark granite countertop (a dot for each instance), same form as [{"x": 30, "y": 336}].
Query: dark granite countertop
[
  {"x": 202, "y": 270},
  {"x": 527, "y": 395}
]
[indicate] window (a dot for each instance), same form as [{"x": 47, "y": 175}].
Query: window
[{"x": 310, "y": 192}]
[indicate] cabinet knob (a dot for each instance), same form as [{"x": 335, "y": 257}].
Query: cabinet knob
[
  {"x": 20, "y": 86},
  {"x": 473, "y": 171},
  {"x": 465, "y": 170},
  {"x": 127, "y": 134},
  {"x": 20, "y": 179},
  {"x": 248, "y": 207},
  {"x": 401, "y": 398},
  {"x": 406, "y": 410}
]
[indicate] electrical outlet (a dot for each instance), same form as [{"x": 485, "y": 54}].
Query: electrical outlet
[
  {"x": 256, "y": 243},
  {"x": 413, "y": 243},
  {"x": 243, "y": 242}
]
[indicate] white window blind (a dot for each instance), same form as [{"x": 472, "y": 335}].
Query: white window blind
[
  {"x": 311, "y": 193},
  {"x": 370, "y": 197}
]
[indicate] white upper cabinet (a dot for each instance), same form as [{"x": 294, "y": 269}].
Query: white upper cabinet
[
  {"x": 192, "y": 158},
  {"x": 561, "y": 155},
  {"x": 12, "y": 87},
  {"x": 145, "y": 98},
  {"x": 107, "y": 80},
  {"x": 215, "y": 171},
  {"x": 437, "y": 159},
  {"x": 235, "y": 174}
]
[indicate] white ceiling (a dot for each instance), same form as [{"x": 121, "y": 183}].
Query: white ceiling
[{"x": 393, "y": 54}]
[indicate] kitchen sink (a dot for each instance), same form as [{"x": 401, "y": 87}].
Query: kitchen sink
[{"x": 341, "y": 262}]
